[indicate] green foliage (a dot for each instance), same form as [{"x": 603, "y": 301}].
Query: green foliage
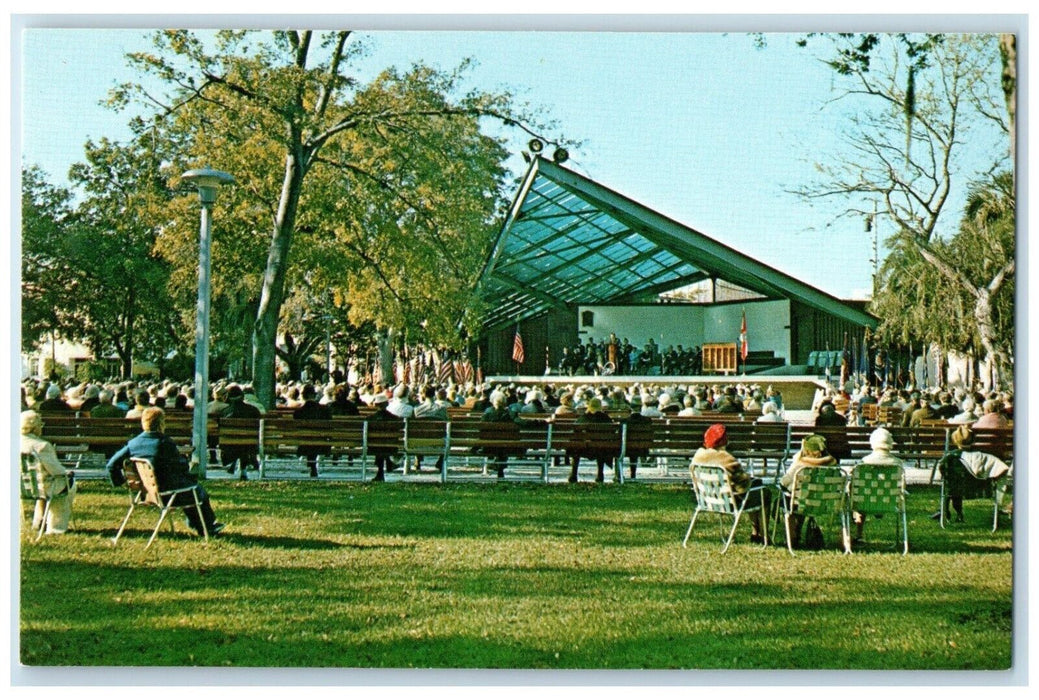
[
  {"x": 89, "y": 271},
  {"x": 46, "y": 275},
  {"x": 931, "y": 119},
  {"x": 508, "y": 576},
  {"x": 916, "y": 301},
  {"x": 387, "y": 191}
]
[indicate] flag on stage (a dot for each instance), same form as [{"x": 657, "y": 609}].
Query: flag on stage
[
  {"x": 845, "y": 361},
  {"x": 864, "y": 358},
  {"x": 446, "y": 372},
  {"x": 517, "y": 347},
  {"x": 743, "y": 338}
]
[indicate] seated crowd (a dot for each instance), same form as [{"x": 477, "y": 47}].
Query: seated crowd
[{"x": 153, "y": 402}]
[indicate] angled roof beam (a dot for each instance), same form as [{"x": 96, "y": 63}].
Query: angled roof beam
[{"x": 722, "y": 260}]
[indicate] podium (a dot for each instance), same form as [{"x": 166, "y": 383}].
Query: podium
[{"x": 719, "y": 358}]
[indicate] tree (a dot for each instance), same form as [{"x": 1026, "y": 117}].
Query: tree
[
  {"x": 90, "y": 272},
  {"x": 46, "y": 214},
  {"x": 312, "y": 151},
  {"x": 928, "y": 123}
]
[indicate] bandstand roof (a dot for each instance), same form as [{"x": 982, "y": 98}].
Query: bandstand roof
[{"x": 569, "y": 240}]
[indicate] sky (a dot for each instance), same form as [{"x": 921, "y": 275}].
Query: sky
[{"x": 702, "y": 126}]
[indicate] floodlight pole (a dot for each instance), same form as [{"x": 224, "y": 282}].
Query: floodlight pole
[{"x": 208, "y": 182}]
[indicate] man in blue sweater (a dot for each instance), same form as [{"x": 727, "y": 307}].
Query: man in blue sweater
[{"x": 171, "y": 469}]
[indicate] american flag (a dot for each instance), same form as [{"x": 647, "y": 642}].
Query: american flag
[
  {"x": 517, "y": 348},
  {"x": 446, "y": 371},
  {"x": 463, "y": 371}
]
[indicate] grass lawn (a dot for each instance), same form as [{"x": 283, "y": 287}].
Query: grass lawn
[{"x": 507, "y": 575}]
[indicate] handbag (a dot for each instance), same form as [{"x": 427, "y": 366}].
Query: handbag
[{"x": 813, "y": 538}]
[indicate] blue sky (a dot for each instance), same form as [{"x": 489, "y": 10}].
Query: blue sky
[{"x": 703, "y": 127}]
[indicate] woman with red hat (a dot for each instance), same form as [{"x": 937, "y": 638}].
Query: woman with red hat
[{"x": 714, "y": 453}]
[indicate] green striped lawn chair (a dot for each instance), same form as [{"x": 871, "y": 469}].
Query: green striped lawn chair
[
  {"x": 880, "y": 490},
  {"x": 820, "y": 493}
]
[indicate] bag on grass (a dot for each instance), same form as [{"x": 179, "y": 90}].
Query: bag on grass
[{"x": 813, "y": 538}]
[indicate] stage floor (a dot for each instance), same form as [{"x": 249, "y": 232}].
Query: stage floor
[{"x": 798, "y": 391}]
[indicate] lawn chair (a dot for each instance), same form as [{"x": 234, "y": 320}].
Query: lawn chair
[
  {"x": 818, "y": 492},
  {"x": 144, "y": 491},
  {"x": 958, "y": 482},
  {"x": 713, "y": 493},
  {"x": 33, "y": 492},
  {"x": 880, "y": 490}
]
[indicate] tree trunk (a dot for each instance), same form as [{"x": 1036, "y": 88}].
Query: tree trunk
[
  {"x": 265, "y": 330},
  {"x": 1008, "y": 54},
  {"x": 386, "y": 356},
  {"x": 983, "y": 316}
]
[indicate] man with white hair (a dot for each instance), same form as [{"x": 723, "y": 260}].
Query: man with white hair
[
  {"x": 650, "y": 406},
  {"x": 105, "y": 407},
  {"x": 967, "y": 415},
  {"x": 993, "y": 416},
  {"x": 399, "y": 405},
  {"x": 532, "y": 403},
  {"x": 770, "y": 413},
  {"x": 55, "y": 481},
  {"x": 53, "y": 403},
  {"x": 90, "y": 399}
]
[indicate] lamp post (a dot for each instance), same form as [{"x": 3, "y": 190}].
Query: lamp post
[{"x": 208, "y": 182}]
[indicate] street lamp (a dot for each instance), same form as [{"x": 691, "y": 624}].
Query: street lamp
[{"x": 208, "y": 182}]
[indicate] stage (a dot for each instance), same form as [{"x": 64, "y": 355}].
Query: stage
[{"x": 798, "y": 391}]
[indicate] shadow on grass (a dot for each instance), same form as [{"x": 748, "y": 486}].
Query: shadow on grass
[{"x": 539, "y": 618}]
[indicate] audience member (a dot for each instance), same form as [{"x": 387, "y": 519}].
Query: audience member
[
  {"x": 812, "y": 454},
  {"x": 142, "y": 400},
  {"x": 171, "y": 469},
  {"x": 992, "y": 416},
  {"x": 593, "y": 413},
  {"x": 244, "y": 456},
  {"x": 713, "y": 452},
  {"x": 881, "y": 444},
  {"x": 55, "y": 482},
  {"x": 312, "y": 410},
  {"x": 383, "y": 455},
  {"x": 53, "y": 403},
  {"x": 987, "y": 471}
]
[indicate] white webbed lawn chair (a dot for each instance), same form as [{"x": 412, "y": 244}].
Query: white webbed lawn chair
[{"x": 714, "y": 494}]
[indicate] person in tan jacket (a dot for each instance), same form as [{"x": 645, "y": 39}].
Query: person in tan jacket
[
  {"x": 57, "y": 482},
  {"x": 812, "y": 454},
  {"x": 713, "y": 452}
]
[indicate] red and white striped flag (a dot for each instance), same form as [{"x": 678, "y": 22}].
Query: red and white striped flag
[
  {"x": 517, "y": 347},
  {"x": 444, "y": 374},
  {"x": 743, "y": 338},
  {"x": 463, "y": 371}
]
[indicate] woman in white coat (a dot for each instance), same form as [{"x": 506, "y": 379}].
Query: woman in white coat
[{"x": 56, "y": 481}]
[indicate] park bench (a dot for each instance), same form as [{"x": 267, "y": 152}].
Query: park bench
[
  {"x": 280, "y": 439},
  {"x": 525, "y": 444},
  {"x": 888, "y": 416},
  {"x": 591, "y": 441},
  {"x": 426, "y": 438},
  {"x": 847, "y": 444},
  {"x": 85, "y": 444},
  {"x": 921, "y": 444}
]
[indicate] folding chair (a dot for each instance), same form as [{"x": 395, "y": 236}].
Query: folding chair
[
  {"x": 33, "y": 492},
  {"x": 880, "y": 490},
  {"x": 144, "y": 491},
  {"x": 958, "y": 482},
  {"x": 713, "y": 493},
  {"x": 818, "y": 492}
]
